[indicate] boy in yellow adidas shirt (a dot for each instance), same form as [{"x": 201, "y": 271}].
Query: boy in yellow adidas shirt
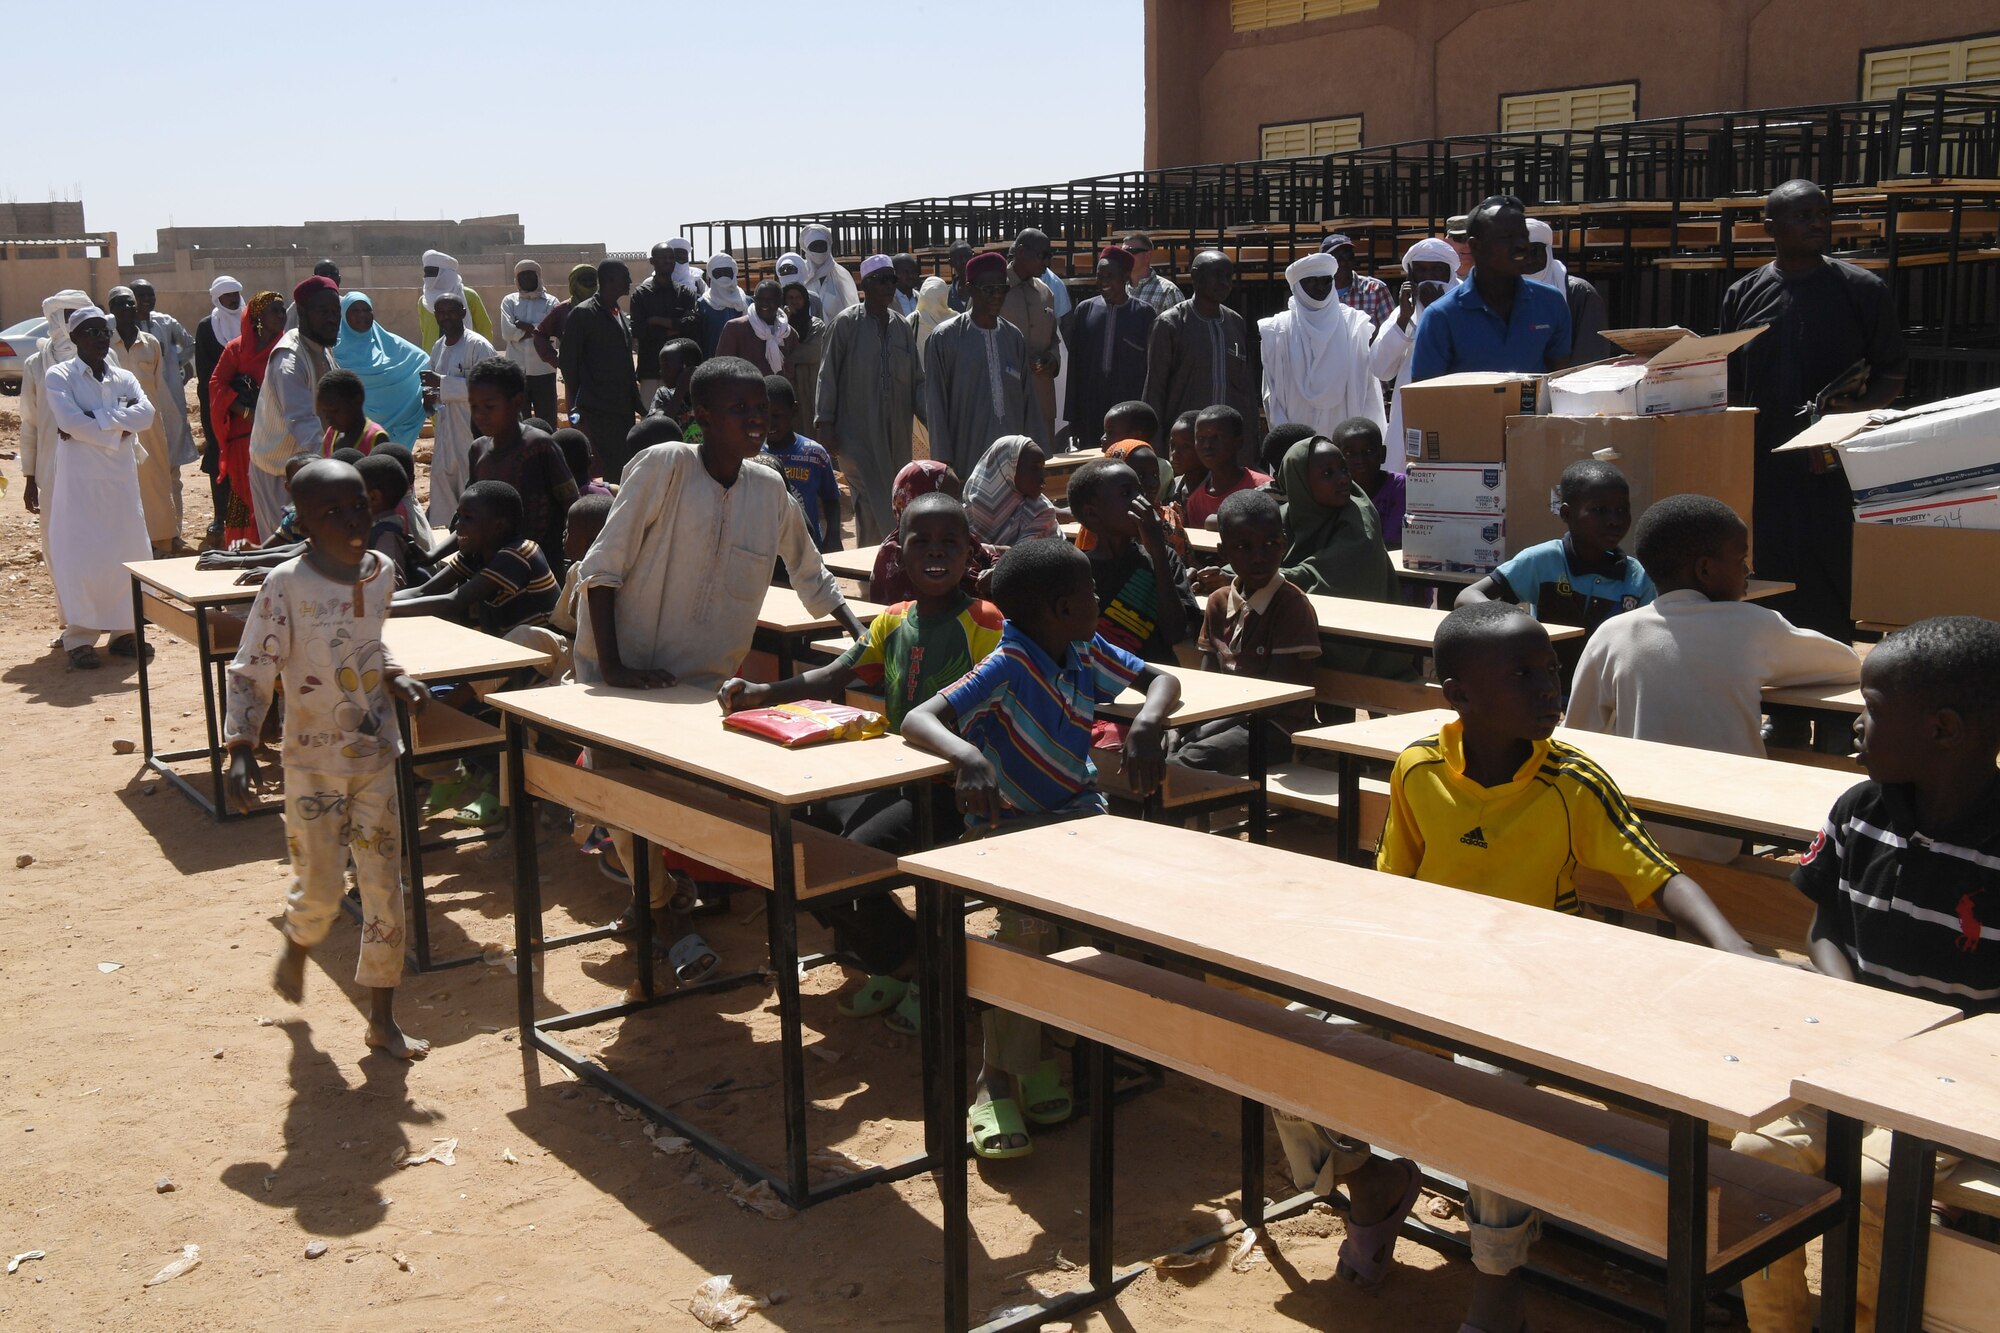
[{"x": 1493, "y": 805}]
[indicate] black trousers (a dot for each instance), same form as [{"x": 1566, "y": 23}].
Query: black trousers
[
  {"x": 542, "y": 398},
  {"x": 874, "y": 929}
]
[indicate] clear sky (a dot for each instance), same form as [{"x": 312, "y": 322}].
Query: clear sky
[{"x": 611, "y": 122}]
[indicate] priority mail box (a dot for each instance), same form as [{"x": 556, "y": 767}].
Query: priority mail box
[
  {"x": 1452, "y": 542},
  {"x": 1665, "y": 371},
  {"x": 1976, "y": 508},
  {"x": 1456, "y": 488},
  {"x": 1904, "y": 573},
  {"x": 1705, "y": 454},
  {"x": 1948, "y": 445},
  {"x": 1463, "y": 418}
]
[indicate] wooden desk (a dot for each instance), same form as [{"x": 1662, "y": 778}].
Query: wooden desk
[
  {"x": 1202, "y": 542},
  {"x": 1936, "y": 1091},
  {"x": 784, "y": 625},
  {"x": 1734, "y": 795},
  {"x": 1717, "y": 1040},
  {"x": 671, "y": 772},
  {"x": 191, "y": 604},
  {"x": 1451, "y": 580},
  {"x": 857, "y": 563},
  {"x": 1056, "y": 472},
  {"x": 1392, "y": 623},
  {"x": 1831, "y": 698},
  {"x": 432, "y": 648}
]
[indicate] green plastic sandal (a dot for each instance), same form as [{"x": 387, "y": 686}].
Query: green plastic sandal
[
  {"x": 991, "y": 1124},
  {"x": 479, "y": 812},
  {"x": 907, "y": 1018},
  {"x": 1043, "y": 1091},
  {"x": 877, "y": 995}
]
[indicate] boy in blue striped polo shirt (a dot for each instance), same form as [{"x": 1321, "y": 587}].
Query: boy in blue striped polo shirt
[{"x": 1017, "y": 728}]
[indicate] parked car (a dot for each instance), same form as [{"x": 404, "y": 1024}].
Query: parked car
[{"x": 16, "y": 346}]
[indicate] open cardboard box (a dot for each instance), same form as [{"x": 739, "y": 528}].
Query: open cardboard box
[
  {"x": 1463, "y": 418},
  {"x": 1906, "y": 573},
  {"x": 1664, "y": 371},
  {"x": 1707, "y": 454},
  {"x": 1949, "y": 445}
]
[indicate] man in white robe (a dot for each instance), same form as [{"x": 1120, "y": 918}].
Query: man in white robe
[
  {"x": 1430, "y": 268},
  {"x": 38, "y": 426},
  {"x": 287, "y": 421},
  {"x": 97, "y": 522},
  {"x": 976, "y": 376},
  {"x": 826, "y": 278},
  {"x": 521, "y": 312},
  {"x": 1316, "y": 354},
  {"x": 457, "y": 350},
  {"x": 441, "y": 275}
]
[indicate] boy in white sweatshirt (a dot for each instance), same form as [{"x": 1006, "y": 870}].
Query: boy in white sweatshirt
[{"x": 1690, "y": 668}]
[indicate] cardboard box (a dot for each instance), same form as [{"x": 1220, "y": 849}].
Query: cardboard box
[
  {"x": 1944, "y": 446},
  {"x": 1906, "y": 573},
  {"x": 1456, "y": 488},
  {"x": 1707, "y": 454},
  {"x": 1453, "y": 542},
  {"x": 1667, "y": 371},
  {"x": 1463, "y": 418},
  {"x": 1978, "y": 508}
]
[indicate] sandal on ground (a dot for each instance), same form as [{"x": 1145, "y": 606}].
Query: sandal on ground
[
  {"x": 84, "y": 658},
  {"x": 877, "y": 995},
  {"x": 692, "y": 959},
  {"x": 907, "y": 1018},
  {"x": 127, "y": 645},
  {"x": 1048, "y": 1102},
  {"x": 444, "y": 794},
  {"x": 481, "y": 811},
  {"x": 1368, "y": 1252},
  {"x": 991, "y": 1124}
]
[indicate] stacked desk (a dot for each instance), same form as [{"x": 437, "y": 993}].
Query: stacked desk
[{"x": 192, "y": 605}]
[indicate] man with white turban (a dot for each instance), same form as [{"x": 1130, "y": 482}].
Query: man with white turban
[
  {"x": 826, "y": 277},
  {"x": 1430, "y": 269},
  {"x": 722, "y": 302},
  {"x": 97, "y": 522},
  {"x": 441, "y": 276},
  {"x": 217, "y": 329},
  {"x": 1316, "y": 354},
  {"x": 521, "y": 313},
  {"x": 1586, "y": 306},
  {"x": 38, "y": 424}
]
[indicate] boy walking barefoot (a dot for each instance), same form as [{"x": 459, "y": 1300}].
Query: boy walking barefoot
[{"x": 317, "y": 622}]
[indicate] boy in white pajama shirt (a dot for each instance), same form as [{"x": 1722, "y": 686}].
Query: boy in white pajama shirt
[{"x": 318, "y": 622}]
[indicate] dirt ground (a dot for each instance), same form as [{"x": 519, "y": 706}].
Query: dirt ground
[{"x": 149, "y": 1048}]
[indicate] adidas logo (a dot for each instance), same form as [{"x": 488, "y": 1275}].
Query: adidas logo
[{"x": 1476, "y": 838}]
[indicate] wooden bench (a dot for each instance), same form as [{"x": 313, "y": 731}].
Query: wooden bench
[{"x": 1592, "y": 1167}]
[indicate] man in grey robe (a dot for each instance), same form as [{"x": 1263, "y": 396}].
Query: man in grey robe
[
  {"x": 870, "y": 391},
  {"x": 1198, "y": 354},
  {"x": 176, "y": 350},
  {"x": 976, "y": 375}
]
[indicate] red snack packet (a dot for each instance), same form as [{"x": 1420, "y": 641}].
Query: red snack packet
[{"x": 808, "y": 722}]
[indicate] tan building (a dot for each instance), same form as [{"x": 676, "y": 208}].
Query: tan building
[
  {"x": 1228, "y": 80},
  {"x": 45, "y": 248}
]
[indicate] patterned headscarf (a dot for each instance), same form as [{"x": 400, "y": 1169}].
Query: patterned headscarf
[
  {"x": 254, "y": 310},
  {"x": 919, "y": 478}
]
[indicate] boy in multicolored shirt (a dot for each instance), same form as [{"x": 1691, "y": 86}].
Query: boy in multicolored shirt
[{"x": 1017, "y": 728}]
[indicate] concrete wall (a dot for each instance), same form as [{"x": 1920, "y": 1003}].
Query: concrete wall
[
  {"x": 26, "y": 282},
  {"x": 1422, "y": 68}
]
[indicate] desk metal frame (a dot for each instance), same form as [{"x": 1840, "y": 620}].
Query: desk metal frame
[
  {"x": 1906, "y": 1228},
  {"x": 213, "y": 689},
  {"x": 791, "y": 1184}
]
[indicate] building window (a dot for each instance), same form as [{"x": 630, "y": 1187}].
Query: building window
[
  {"x": 1256, "y": 15},
  {"x": 1883, "y": 72},
  {"x": 1570, "y": 108},
  {"x": 1310, "y": 138}
]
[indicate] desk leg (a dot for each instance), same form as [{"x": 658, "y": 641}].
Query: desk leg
[
  {"x": 1252, "y": 1209},
  {"x": 413, "y": 837},
  {"x": 784, "y": 924},
  {"x": 944, "y": 1009},
  {"x": 931, "y": 921},
  {"x": 640, "y": 872},
  {"x": 1906, "y": 1221},
  {"x": 527, "y": 888},
  {"x": 1096, "y": 1060},
  {"x": 145, "y": 688},
  {"x": 1687, "y": 1223},
  {"x": 1259, "y": 763},
  {"x": 1348, "y": 839},
  {"x": 220, "y": 810},
  {"x": 1842, "y": 1243}
]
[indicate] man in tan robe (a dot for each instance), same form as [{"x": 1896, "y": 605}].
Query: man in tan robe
[{"x": 159, "y": 480}]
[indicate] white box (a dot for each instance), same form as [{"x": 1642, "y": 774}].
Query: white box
[
  {"x": 1454, "y": 543},
  {"x": 1668, "y": 371},
  {"x": 1951, "y": 445},
  {"x": 1977, "y": 508},
  {"x": 1456, "y": 488}
]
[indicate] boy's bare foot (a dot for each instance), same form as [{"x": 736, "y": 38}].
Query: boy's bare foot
[
  {"x": 394, "y": 1041},
  {"x": 290, "y": 978}
]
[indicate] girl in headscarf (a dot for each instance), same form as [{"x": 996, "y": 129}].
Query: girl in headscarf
[
  {"x": 722, "y": 302},
  {"x": 232, "y": 398},
  {"x": 1004, "y": 499},
  {"x": 1141, "y": 458},
  {"x": 825, "y": 276},
  {"x": 888, "y": 584},
  {"x": 1333, "y": 546},
  {"x": 389, "y": 368},
  {"x": 933, "y": 308}
]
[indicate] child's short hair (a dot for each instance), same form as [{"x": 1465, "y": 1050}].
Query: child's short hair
[
  {"x": 656, "y": 429},
  {"x": 498, "y": 499},
  {"x": 780, "y": 389},
  {"x": 349, "y": 456},
  {"x": 539, "y": 424},
  {"x": 1945, "y": 662},
  {"x": 714, "y": 374},
  {"x": 588, "y": 510},
  {"x": 1141, "y": 422},
  {"x": 1187, "y": 419},
  {"x": 1225, "y": 416},
  {"x": 1586, "y": 475},
  {"x": 1033, "y": 574},
  {"x": 401, "y": 453},
  {"x": 1087, "y": 484},
  {"x": 935, "y": 502},
  {"x": 1465, "y": 633},
  {"x": 501, "y": 373},
  {"x": 342, "y": 386},
  {"x": 1679, "y": 530},
  {"x": 385, "y": 476},
  {"x": 1252, "y": 506},
  {"x": 1278, "y": 442},
  {"x": 1356, "y": 428},
  {"x": 575, "y": 446},
  {"x": 686, "y": 350}
]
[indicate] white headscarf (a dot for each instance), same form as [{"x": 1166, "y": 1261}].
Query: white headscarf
[
  {"x": 1431, "y": 250},
  {"x": 225, "y": 323},
  {"x": 825, "y": 277},
  {"x": 1554, "y": 274},
  {"x": 446, "y": 281},
  {"x": 683, "y": 274},
  {"x": 933, "y": 308},
  {"x": 792, "y": 266},
  {"x": 1322, "y": 328},
  {"x": 773, "y": 334},
  {"x": 56, "y": 310},
  {"x": 724, "y": 293}
]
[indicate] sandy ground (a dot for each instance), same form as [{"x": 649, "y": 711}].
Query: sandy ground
[{"x": 276, "y": 1127}]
